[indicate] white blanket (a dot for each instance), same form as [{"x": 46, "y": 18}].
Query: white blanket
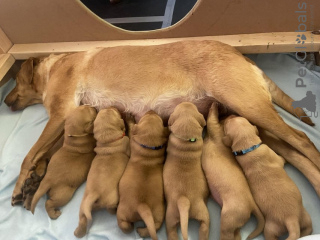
[{"x": 20, "y": 130}]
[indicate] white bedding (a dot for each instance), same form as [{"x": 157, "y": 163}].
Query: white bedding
[{"x": 20, "y": 130}]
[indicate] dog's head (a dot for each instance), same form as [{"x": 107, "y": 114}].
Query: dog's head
[
  {"x": 108, "y": 125},
  {"x": 186, "y": 121},
  {"x": 236, "y": 129},
  {"x": 150, "y": 130},
  {"x": 26, "y": 91},
  {"x": 80, "y": 121}
]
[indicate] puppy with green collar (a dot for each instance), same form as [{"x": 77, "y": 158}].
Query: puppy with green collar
[
  {"x": 185, "y": 185},
  {"x": 275, "y": 193}
]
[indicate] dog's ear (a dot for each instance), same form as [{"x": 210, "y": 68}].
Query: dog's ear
[
  {"x": 256, "y": 130},
  {"x": 227, "y": 141},
  {"x": 26, "y": 71}
]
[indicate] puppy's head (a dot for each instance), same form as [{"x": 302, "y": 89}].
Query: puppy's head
[
  {"x": 108, "y": 125},
  {"x": 80, "y": 121},
  {"x": 186, "y": 121},
  {"x": 150, "y": 130},
  {"x": 25, "y": 92},
  {"x": 237, "y": 129}
]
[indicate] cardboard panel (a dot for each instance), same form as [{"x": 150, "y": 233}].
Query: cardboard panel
[{"x": 40, "y": 21}]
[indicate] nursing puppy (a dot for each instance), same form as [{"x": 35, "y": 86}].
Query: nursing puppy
[
  {"x": 282, "y": 205},
  {"x": 185, "y": 186},
  {"x": 69, "y": 166},
  {"x": 227, "y": 182},
  {"x": 107, "y": 167},
  {"x": 141, "y": 186}
]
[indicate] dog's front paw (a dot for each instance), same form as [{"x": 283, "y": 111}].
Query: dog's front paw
[
  {"x": 32, "y": 182},
  {"x": 16, "y": 198}
]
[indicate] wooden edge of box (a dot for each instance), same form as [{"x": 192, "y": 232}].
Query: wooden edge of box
[
  {"x": 245, "y": 43},
  {"x": 5, "y": 43},
  {"x": 6, "y": 62}
]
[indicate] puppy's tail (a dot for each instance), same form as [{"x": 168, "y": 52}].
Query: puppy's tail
[
  {"x": 85, "y": 217},
  {"x": 43, "y": 189},
  {"x": 146, "y": 215},
  {"x": 184, "y": 206},
  {"x": 261, "y": 222}
]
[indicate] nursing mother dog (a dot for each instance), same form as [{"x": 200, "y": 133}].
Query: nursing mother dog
[{"x": 137, "y": 79}]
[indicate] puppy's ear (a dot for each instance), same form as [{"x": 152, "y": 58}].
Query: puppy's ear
[
  {"x": 256, "y": 130},
  {"x": 227, "y": 141},
  {"x": 201, "y": 120}
]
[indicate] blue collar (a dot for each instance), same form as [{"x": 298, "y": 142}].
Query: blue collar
[
  {"x": 150, "y": 147},
  {"x": 250, "y": 149}
]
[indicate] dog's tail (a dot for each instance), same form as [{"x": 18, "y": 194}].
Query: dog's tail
[
  {"x": 282, "y": 99},
  {"x": 260, "y": 220},
  {"x": 146, "y": 215},
  {"x": 43, "y": 189},
  {"x": 184, "y": 206}
]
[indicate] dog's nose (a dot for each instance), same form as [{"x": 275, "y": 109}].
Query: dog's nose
[{"x": 8, "y": 102}]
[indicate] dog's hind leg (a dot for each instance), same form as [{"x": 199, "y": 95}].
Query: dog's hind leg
[
  {"x": 200, "y": 213},
  {"x": 172, "y": 220},
  {"x": 293, "y": 229},
  {"x": 282, "y": 99},
  {"x": 59, "y": 196},
  {"x": 306, "y": 167},
  {"x": 271, "y": 231},
  {"x": 305, "y": 224}
]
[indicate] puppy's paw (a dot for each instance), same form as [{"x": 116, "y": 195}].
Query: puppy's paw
[
  {"x": 80, "y": 232},
  {"x": 143, "y": 232},
  {"x": 54, "y": 213}
]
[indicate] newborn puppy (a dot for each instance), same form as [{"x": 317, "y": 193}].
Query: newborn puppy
[
  {"x": 227, "y": 182},
  {"x": 275, "y": 193},
  {"x": 107, "y": 167},
  {"x": 69, "y": 166},
  {"x": 141, "y": 186},
  {"x": 185, "y": 186}
]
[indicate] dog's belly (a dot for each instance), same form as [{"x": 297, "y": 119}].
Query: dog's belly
[{"x": 162, "y": 104}]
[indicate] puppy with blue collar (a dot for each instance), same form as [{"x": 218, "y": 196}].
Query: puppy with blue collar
[
  {"x": 227, "y": 183},
  {"x": 141, "y": 186},
  {"x": 275, "y": 193}
]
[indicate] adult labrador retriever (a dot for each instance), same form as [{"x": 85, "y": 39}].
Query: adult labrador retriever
[{"x": 137, "y": 79}]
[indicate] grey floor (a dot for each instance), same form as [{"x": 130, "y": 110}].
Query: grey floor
[{"x": 141, "y": 15}]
